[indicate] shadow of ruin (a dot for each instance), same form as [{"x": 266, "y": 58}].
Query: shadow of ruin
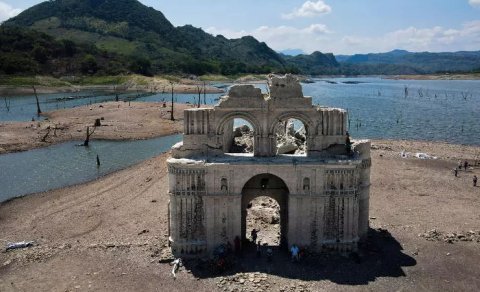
[{"x": 380, "y": 255}]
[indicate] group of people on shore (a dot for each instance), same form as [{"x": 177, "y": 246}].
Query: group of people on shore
[
  {"x": 295, "y": 251},
  {"x": 465, "y": 166}
]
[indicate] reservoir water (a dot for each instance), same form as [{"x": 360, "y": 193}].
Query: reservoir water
[
  {"x": 439, "y": 110},
  {"x": 66, "y": 164}
]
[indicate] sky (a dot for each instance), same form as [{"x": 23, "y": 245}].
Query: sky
[{"x": 329, "y": 26}]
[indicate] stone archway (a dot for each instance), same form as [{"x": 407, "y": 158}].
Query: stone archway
[
  {"x": 224, "y": 130},
  {"x": 266, "y": 185}
]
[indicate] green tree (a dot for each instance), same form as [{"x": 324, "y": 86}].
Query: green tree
[
  {"x": 89, "y": 64},
  {"x": 40, "y": 54}
]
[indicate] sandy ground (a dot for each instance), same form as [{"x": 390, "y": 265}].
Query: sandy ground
[
  {"x": 121, "y": 121},
  {"x": 110, "y": 234}
]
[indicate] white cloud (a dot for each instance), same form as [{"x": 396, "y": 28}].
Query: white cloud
[
  {"x": 309, "y": 9},
  {"x": 282, "y": 37},
  {"x": 474, "y": 3},
  {"x": 317, "y": 37},
  {"x": 7, "y": 11},
  {"x": 434, "y": 39}
]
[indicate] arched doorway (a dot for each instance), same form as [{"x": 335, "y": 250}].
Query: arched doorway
[{"x": 271, "y": 186}]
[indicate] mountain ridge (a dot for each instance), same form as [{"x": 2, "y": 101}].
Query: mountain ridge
[{"x": 140, "y": 39}]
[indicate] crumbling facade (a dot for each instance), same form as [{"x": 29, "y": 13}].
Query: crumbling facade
[{"x": 323, "y": 195}]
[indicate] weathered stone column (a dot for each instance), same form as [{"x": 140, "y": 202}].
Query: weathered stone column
[{"x": 364, "y": 188}]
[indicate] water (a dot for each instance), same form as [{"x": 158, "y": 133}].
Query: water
[
  {"x": 439, "y": 110},
  {"x": 67, "y": 164},
  {"x": 24, "y": 108}
]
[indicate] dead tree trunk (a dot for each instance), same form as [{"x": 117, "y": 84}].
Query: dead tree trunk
[
  {"x": 87, "y": 138},
  {"x": 7, "y": 104},
  {"x": 199, "y": 91},
  {"x": 171, "y": 112},
  {"x": 44, "y": 139},
  {"x": 39, "y": 111},
  {"x": 204, "y": 93}
]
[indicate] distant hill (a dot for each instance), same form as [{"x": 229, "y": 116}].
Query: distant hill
[
  {"x": 414, "y": 63},
  {"x": 314, "y": 64},
  {"x": 129, "y": 28}
]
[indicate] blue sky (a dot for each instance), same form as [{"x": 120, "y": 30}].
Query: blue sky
[{"x": 338, "y": 26}]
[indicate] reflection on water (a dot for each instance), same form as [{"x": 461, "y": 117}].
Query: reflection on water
[{"x": 66, "y": 164}]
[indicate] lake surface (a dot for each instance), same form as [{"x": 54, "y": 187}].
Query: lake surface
[
  {"x": 66, "y": 164},
  {"x": 438, "y": 110},
  {"x": 443, "y": 110}
]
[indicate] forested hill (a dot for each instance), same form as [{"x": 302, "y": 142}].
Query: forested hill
[
  {"x": 129, "y": 28},
  {"x": 122, "y": 36},
  {"x": 409, "y": 62}
]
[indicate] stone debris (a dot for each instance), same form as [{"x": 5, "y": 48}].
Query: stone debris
[
  {"x": 243, "y": 139},
  {"x": 244, "y": 282},
  {"x": 435, "y": 235},
  {"x": 290, "y": 141}
]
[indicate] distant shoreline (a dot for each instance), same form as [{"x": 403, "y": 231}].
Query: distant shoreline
[
  {"x": 135, "y": 83},
  {"x": 435, "y": 77}
]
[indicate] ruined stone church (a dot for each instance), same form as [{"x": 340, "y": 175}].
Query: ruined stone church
[{"x": 323, "y": 193}]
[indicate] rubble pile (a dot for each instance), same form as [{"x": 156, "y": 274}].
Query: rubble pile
[
  {"x": 264, "y": 215},
  {"x": 245, "y": 282},
  {"x": 290, "y": 141},
  {"x": 435, "y": 235},
  {"x": 243, "y": 139}
]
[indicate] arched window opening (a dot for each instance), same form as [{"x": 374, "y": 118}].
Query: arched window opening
[
  {"x": 291, "y": 137},
  {"x": 238, "y": 136},
  {"x": 224, "y": 184},
  {"x": 306, "y": 184}
]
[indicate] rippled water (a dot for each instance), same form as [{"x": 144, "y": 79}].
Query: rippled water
[
  {"x": 443, "y": 110},
  {"x": 67, "y": 164}
]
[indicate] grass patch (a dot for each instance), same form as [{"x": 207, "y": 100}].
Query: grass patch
[
  {"x": 11, "y": 80},
  {"x": 101, "y": 80},
  {"x": 215, "y": 78}
]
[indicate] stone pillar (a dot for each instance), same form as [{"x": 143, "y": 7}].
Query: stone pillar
[{"x": 364, "y": 188}]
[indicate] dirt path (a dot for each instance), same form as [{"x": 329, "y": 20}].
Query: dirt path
[{"x": 109, "y": 235}]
